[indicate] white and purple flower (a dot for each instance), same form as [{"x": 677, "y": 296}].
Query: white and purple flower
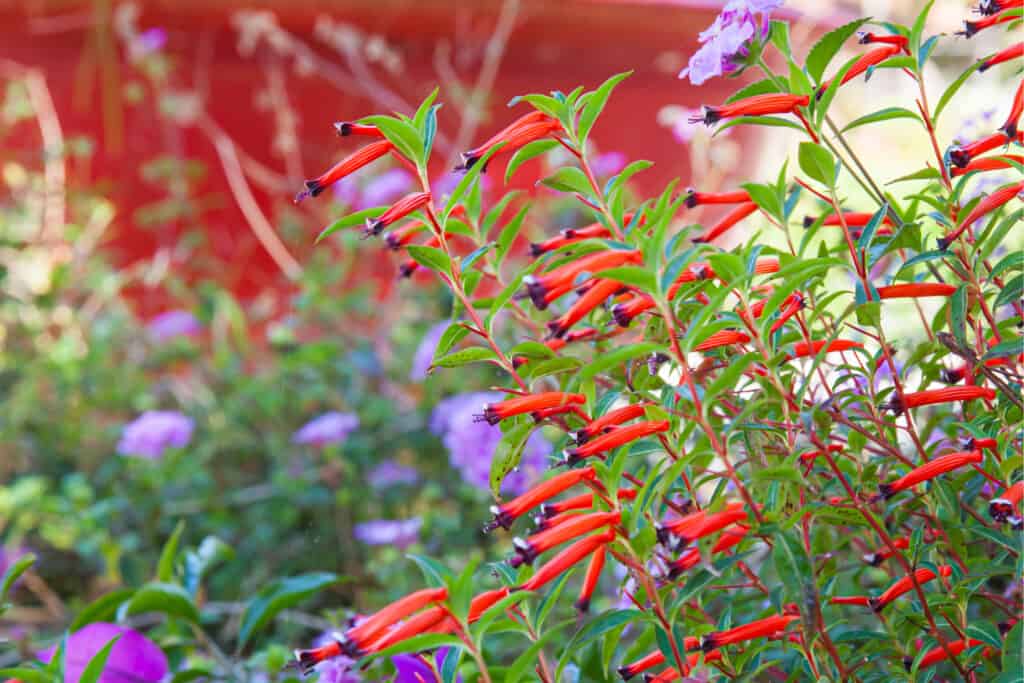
[
  {"x": 327, "y": 429},
  {"x": 177, "y": 323},
  {"x": 400, "y": 533},
  {"x": 727, "y": 41},
  {"x": 152, "y": 433}
]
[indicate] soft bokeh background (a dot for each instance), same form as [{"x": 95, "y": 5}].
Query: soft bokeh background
[{"x": 173, "y": 348}]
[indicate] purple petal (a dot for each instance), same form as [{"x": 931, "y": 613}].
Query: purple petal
[
  {"x": 133, "y": 659},
  {"x": 330, "y": 428},
  {"x": 425, "y": 352},
  {"x": 153, "y": 432}
]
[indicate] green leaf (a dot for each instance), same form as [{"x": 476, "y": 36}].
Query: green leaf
[
  {"x": 779, "y": 37},
  {"x": 165, "y": 567},
  {"x": 1012, "y": 290},
  {"x": 600, "y": 625},
  {"x": 211, "y": 552},
  {"x": 474, "y": 354},
  {"x": 507, "y": 455},
  {"x": 103, "y": 608},
  {"x": 918, "y": 28},
  {"x": 923, "y": 174},
  {"x": 436, "y": 574},
  {"x": 952, "y": 90},
  {"x": 868, "y": 233},
  {"x": 419, "y": 120},
  {"x": 278, "y": 595},
  {"x": 94, "y": 669},
  {"x": 470, "y": 176},
  {"x": 19, "y": 567},
  {"x": 27, "y": 675},
  {"x": 613, "y": 358},
  {"x": 402, "y": 135},
  {"x": 762, "y": 87},
  {"x": 528, "y": 151},
  {"x": 638, "y": 277},
  {"x": 167, "y": 598},
  {"x": 430, "y": 257},
  {"x": 828, "y": 46},
  {"x": 772, "y": 121},
  {"x": 986, "y": 632},
  {"x": 817, "y": 163},
  {"x": 596, "y": 103},
  {"x": 1005, "y": 349},
  {"x": 1012, "y": 261},
  {"x": 886, "y": 114},
  {"x": 429, "y": 131},
  {"x": 531, "y": 349},
  {"x": 424, "y": 641},
  {"x": 351, "y": 220},
  {"x": 568, "y": 179},
  {"x": 958, "y": 314},
  {"x": 797, "y": 575}
]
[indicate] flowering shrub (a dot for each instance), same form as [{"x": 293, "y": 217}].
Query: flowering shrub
[
  {"x": 797, "y": 458},
  {"x": 789, "y": 487}
]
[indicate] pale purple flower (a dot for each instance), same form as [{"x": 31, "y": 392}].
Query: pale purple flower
[
  {"x": 729, "y": 37},
  {"x": 608, "y": 164},
  {"x": 153, "y": 432},
  {"x": 151, "y": 40},
  {"x": 330, "y": 428},
  {"x": 385, "y": 188},
  {"x": 471, "y": 443},
  {"x": 133, "y": 658},
  {"x": 415, "y": 669},
  {"x": 425, "y": 352},
  {"x": 400, "y": 533},
  {"x": 177, "y": 323},
  {"x": 390, "y": 473}
]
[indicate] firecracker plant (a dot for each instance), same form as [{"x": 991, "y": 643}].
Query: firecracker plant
[{"x": 777, "y": 479}]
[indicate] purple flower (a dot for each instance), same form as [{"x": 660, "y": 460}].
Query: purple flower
[
  {"x": 471, "y": 443},
  {"x": 386, "y": 187},
  {"x": 400, "y": 533},
  {"x": 330, "y": 428},
  {"x": 153, "y": 432},
  {"x": 133, "y": 659},
  {"x": 415, "y": 669},
  {"x": 608, "y": 164},
  {"x": 425, "y": 352},
  {"x": 390, "y": 473},
  {"x": 177, "y": 323},
  {"x": 728, "y": 38},
  {"x": 336, "y": 669}
]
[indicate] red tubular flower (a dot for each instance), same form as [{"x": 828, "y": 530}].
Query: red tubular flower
[
  {"x": 961, "y": 155},
  {"x": 574, "y": 235},
  {"x": 1009, "y": 129},
  {"x": 869, "y": 38},
  {"x": 758, "y": 105},
  {"x": 724, "y": 225},
  {"x": 594, "y": 297},
  {"x": 972, "y": 27},
  {"x": 535, "y": 545},
  {"x": 484, "y": 601},
  {"x": 1012, "y": 52},
  {"x": 561, "y": 562},
  {"x": 938, "y": 654},
  {"x": 403, "y": 236},
  {"x": 650, "y": 661},
  {"x": 346, "y": 128},
  {"x": 564, "y": 277},
  {"x": 700, "y": 523},
  {"x": 613, "y": 439},
  {"x": 915, "y": 290},
  {"x": 412, "y": 265},
  {"x": 601, "y": 424},
  {"x": 795, "y": 305},
  {"x": 590, "y": 580},
  {"x": 542, "y": 523},
  {"x": 876, "y": 558},
  {"x": 930, "y": 470},
  {"x": 665, "y": 676},
  {"x": 853, "y": 219},
  {"x": 811, "y": 456},
  {"x": 905, "y": 585},
  {"x": 533, "y": 126},
  {"x": 584, "y": 501},
  {"x": 624, "y": 313},
  {"x": 898, "y": 404},
  {"x": 691, "y": 558},
  {"x": 1004, "y": 507},
  {"x": 355, "y": 641},
  {"x": 694, "y": 198},
  {"x": 867, "y": 60},
  {"x": 722, "y": 338},
  {"x": 989, "y": 164},
  {"x": 986, "y": 206},
  {"x": 859, "y": 600},
  {"x": 506, "y": 513},
  {"x": 656, "y": 658},
  {"x": 808, "y": 350},
  {"x": 521, "y": 405},
  {"x": 399, "y": 210},
  {"x": 990, "y": 7},
  {"x": 413, "y": 626},
  {"x": 345, "y": 167},
  {"x": 756, "y": 629}
]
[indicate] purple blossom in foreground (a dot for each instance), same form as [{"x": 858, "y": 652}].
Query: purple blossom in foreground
[
  {"x": 415, "y": 669},
  {"x": 133, "y": 659},
  {"x": 178, "y": 323},
  {"x": 425, "y": 352},
  {"x": 400, "y": 533},
  {"x": 153, "y": 432},
  {"x": 728, "y": 39},
  {"x": 330, "y": 428},
  {"x": 471, "y": 443},
  {"x": 390, "y": 473},
  {"x": 339, "y": 669}
]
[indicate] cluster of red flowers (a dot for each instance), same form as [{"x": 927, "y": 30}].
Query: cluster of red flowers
[{"x": 580, "y": 517}]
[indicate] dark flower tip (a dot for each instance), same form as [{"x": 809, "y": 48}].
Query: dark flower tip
[
  {"x": 501, "y": 519},
  {"x": 536, "y": 291},
  {"x": 1016, "y": 523},
  {"x": 970, "y": 28},
  {"x": 1009, "y": 130},
  {"x": 691, "y": 198},
  {"x": 1004, "y": 627},
  {"x": 406, "y": 270},
  {"x": 709, "y": 642},
  {"x": 959, "y": 157},
  {"x": 374, "y": 226},
  {"x": 570, "y": 456},
  {"x": 908, "y": 663},
  {"x": 808, "y": 221},
  {"x": 536, "y": 249},
  {"x": 469, "y": 160},
  {"x": 988, "y": 7},
  {"x": 875, "y": 604},
  {"x": 985, "y": 66},
  {"x": 393, "y": 241},
  {"x": 524, "y": 551},
  {"x": 873, "y": 559},
  {"x": 626, "y": 672},
  {"x": 579, "y": 437},
  {"x": 863, "y": 37},
  {"x": 885, "y": 491},
  {"x": 582, "y": 605},
  {"x": 622, "y": 318},
  {"x": 306, "y": 660},
  {"x": 663, "y": 534},
  {"x": 488, "y": 416},
  {"x": 709, "y": 117},
  {"x": 556, "y": 330},
  {"x": 943, "y": 243},
  {"x": 951, "y": 375},
  {"x": 344, "y": 128}
]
